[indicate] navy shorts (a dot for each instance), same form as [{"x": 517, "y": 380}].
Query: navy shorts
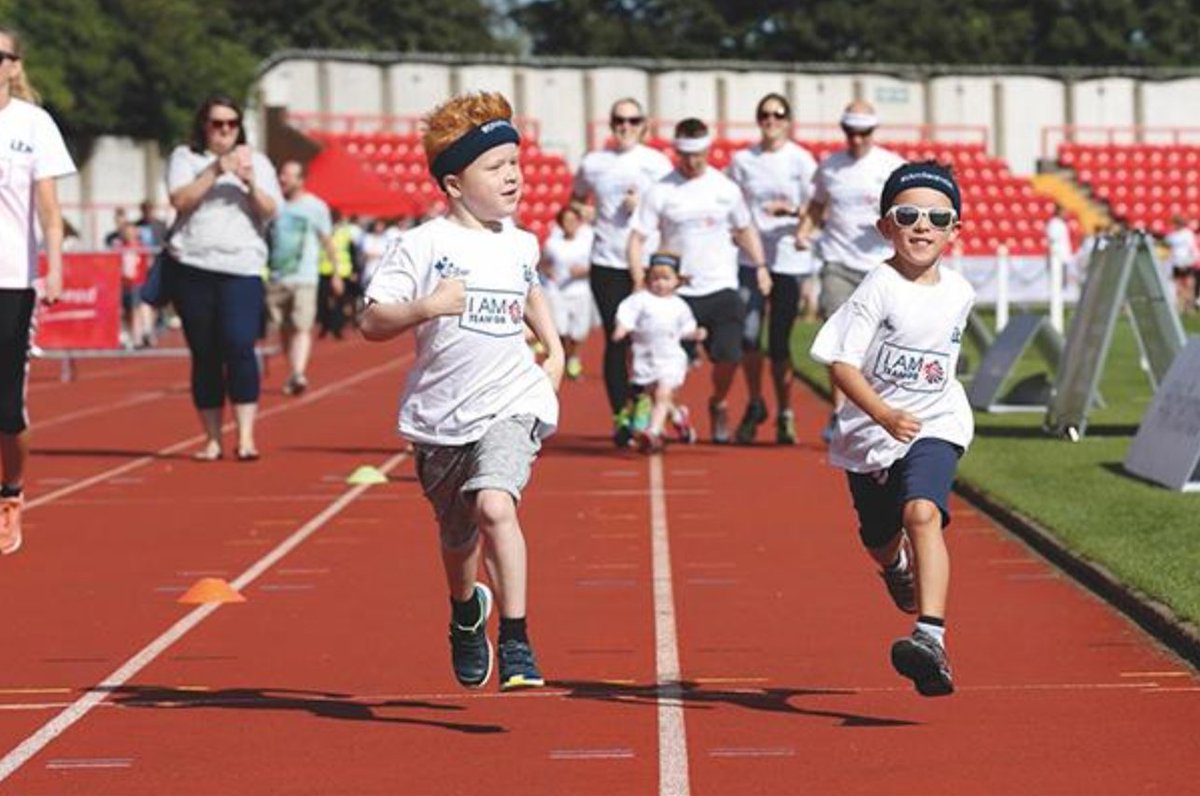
[{"x": 925, "y": 473}]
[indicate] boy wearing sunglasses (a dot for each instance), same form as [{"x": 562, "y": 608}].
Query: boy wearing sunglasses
[{"x": 893, "y": 349}]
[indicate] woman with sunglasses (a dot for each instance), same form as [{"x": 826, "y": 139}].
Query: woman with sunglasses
[
  {"x": 617, "y": 177},
  {"x": 34, "y": 157},
  {"x": 843, "y": 206},
  {"x": 775, "y": 176},
  {"x": 224, "y": 194}
]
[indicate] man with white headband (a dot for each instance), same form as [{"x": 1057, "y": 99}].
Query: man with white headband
[
  {"x": 845, "y": 206},
  {"x": 700, "y": 214}
]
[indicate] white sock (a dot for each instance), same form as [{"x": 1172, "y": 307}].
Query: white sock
[{"x": 938, "y": 631}]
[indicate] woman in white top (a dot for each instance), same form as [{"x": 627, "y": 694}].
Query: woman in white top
[
  {"x": 617, "y": 177},
  {"x": 775, "y": 176},
  {"x": 34, "y": 156},
  {"x": 224, "y": 193},
  {"x": 1184, "y": 259}
]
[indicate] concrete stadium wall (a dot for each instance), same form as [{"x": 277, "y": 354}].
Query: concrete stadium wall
[
  {"x": 818, "y": 101},
  {"x": 415, "y": 88},
  {"x": 1171, "y": 103},
  {"x": 679, "y": 95},
  {"x": 555, "y": 98},
  {"x": 1026, "y": 106},
  {"x": 739, "y": 96},
  {"x": 898, "y": 102},
  {"x": 1103, "y": 103},
  {"x": 605, "y": 85},
  {"x": 352, "y": 88},
  {"x": 966, "y": 102}
]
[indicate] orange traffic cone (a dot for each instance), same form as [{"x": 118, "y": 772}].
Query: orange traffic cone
[{"x": 211, "y": 590}]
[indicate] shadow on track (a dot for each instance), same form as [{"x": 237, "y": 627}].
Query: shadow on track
[
  {"x": 695, "y": 696},
  {"x": 321, "y": 704}
]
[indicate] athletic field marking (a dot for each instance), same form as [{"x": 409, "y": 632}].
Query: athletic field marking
[
  {"x": 97, "y": 410},
  {"x": 672, "y": 732},
  {"x": 142, "y": 461},
  {"x": 709, "y": 564},
  {"x": 1175, "y": 673},
  {"x": 128, "y": 670},
  {"x": 619, "y": 473},
  {"x": 780, "y": 751},
  {"x": 89, "y": 762},
  {"x": 591, "y": 754},
  {"x": 618, "y": 517},
  {"x": 35, "y": 690}
]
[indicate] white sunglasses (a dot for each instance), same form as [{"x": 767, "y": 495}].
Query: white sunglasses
[{"x": 908, "y": 215}]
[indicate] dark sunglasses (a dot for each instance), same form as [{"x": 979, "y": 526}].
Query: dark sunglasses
[
  {"x": 7, "y": 56},
  {"x": 224, "y": 124},
  {"x": 908, "y": 215},
  {"x": 617, "y": 121},
  {"x": 851, "y": 132},
  {"x": 773, "y": 115}
]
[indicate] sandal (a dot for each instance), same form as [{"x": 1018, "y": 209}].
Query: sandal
[
  {"x": 208, "y": 453},
  {"x": 247, "y": 456}
]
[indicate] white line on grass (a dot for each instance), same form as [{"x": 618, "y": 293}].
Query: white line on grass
[
  {"x": 128, "y": 670},
  {"x": 672, "y": 733},
  {"x": 142, "y": 461}
]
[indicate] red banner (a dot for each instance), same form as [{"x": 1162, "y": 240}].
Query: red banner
[{"x": 88, "y": 314}]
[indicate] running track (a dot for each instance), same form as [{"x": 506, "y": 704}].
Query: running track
[{"x": 706, "y": 620}]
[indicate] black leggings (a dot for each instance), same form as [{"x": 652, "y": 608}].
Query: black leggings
[
  {"x": 610, "y": 286},
  {"x": 16, "y": 314},
  {"x": 222, "y": 315}
]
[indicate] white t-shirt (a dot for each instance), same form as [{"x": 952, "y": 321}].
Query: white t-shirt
[
  {"x": 906, "y": 338},
  {"x": 1182, "y": 245},
  {"x": 608, "y": 174},
  {"x": 1058, "y": 238},
  {"x": 475, "y": 368},
  {"x": 782, "y": 175},
  {"x": 697, "y": 218},
  {"x": 222, "y": 233},
  {"x": 373, "y": 245},
  {"x": 31, "y": 149},
  {"x": 850, "y": 191},
  {"x": 656, "y": 326},
  {"x": 563, "y": 255}
]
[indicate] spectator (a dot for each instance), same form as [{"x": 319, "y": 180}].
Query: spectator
[
  {"x": 225, "y": 194},
  {"x": 114, "y": 239},
  {"x": 1184, "y": 259},
  {"x": 153, "y": 230}
]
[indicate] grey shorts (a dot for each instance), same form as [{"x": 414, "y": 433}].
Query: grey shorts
[
  {"x": 450, "y": 475},
  {"x": 292, "y": 307},
  {"x": 838, "y": 281}
]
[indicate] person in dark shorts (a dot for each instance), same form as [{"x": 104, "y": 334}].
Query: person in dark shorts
[
  {"x": 700, "y": 214},
  {"x": 893, "y": 348}
]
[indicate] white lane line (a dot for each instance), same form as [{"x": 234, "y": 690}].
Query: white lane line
[
  {"x": 591, "y": 754},
  {"x": 780, "y": 751},
  {"x": 672, "y": 733},
  {"x": 142, "y": 461},
  {"x": 89, "y": 762},
  {"x": 128, "y": 670}
]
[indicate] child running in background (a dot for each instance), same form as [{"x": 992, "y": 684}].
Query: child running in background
[
  {"x": 893, "y": 349},
  {"x": 566, "y": 264},
  {"x": 658, "y": 321},
  {"x": 476, "y": 405}
]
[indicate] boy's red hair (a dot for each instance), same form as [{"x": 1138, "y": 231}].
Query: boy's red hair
[{"x": 449, "y": 121}]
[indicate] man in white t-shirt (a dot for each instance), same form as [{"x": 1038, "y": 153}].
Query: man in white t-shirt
[
  {"x": 34, "y": 156},
  {"x": 845, "y": 207},
  {"x": 700, "y": 214},
  {"x": 893, "y": 348},
  {"x": 1058, "y": 236},
  {"x": 1183, "y": 259},
  {"x": 617, "y": 177}
]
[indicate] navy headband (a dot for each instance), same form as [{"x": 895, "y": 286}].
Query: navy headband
[
  {"x": 920, "y": 175},
  {"x": 665, "y": 258},
  {"x": 471, "y": 145}
]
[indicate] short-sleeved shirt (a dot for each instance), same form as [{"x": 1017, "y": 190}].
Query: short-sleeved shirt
[
  {"x": 608, "y": 174},
  {"x": 1182, "y": 248},
  {"x": 905, "y": 337},
  {"x": 563, "y": 254},
  {"x": 473, "y": 368},
  {"x": 850, "y": 191},
  {"x": 657, "y": 325},
  {"x": 697, "y": 218},
  {"x": 1058, "y": 238},
  {"x": 296, "y": 240},
  {"x": 784, "y": 174},
  {"x": 31, "y": 149},
  {"x": 222, "y": 233}
]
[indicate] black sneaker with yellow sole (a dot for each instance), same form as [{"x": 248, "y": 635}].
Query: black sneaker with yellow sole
[{"x": 518, "y": 667}]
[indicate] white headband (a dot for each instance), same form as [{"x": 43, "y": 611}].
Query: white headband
[
  {"x": 691, "y": 146},
  {"x": 859, "y": 121}
]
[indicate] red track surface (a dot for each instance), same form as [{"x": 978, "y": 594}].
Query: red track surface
[{"x": 333, "y": 677}]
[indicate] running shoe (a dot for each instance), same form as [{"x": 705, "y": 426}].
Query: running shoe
[
  {"x": 470, "y": 649},
  {"x": 574, "y": 368},
  {"x": 756, "y": 413},
  {"x": 681, "y": 420},
  {"x": 649, "y": 442},
  {"x": 785, "y": 428},
  {"x": 622, "y": 433},
  {"x": 641, "y": 413},
  {"x": 10, "y": 524},
  {"x": 718, "y": 418},
  {"x": 923, "y": 660},
  {"x": 518, "y": 667},
  {"x": 901, "y": 584},
  {"x": 296, "y": 385}
]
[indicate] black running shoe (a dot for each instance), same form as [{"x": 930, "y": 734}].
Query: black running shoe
[
  {"x": 901, "y": 584},
  {"x": 756, "y": 413},
  {"x": 785, "y": 428},
  {"x": 470, "y": 650},
  {"x": 518, "y": 668},
  {"x": 923, "y": 660}
]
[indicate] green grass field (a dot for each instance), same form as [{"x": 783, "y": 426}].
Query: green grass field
[{"x": 1145, "y": 535}]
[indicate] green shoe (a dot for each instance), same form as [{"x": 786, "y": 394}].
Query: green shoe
[
  {"x": 574, "y": 368},
  {"x": 641, "y": 413}
]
